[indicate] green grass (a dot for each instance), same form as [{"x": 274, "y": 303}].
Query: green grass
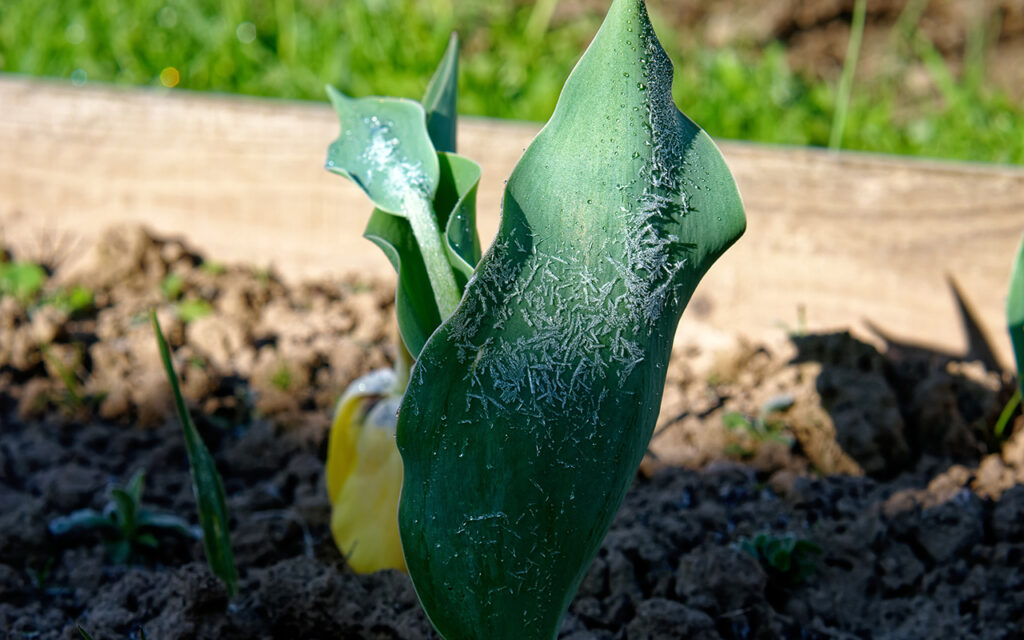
[{"x": 514, "y": 61}]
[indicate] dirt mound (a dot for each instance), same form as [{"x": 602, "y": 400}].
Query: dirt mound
[{"x": 831, "y": 490}]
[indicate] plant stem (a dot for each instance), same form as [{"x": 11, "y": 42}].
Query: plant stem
[
  {"x": 846, "y": 82},
  {"x": 424, "y": 226}
]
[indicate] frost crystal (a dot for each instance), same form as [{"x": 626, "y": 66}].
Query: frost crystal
[{"x": 382, "y": 156}]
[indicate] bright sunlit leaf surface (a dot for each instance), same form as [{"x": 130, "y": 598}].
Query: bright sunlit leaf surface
[{"x": 529, "y": 409}]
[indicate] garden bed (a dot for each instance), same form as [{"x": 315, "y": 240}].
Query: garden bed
[{"x": 885, "y": 461}]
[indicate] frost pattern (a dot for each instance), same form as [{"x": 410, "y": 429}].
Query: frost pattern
[
  {"x": 654, "y": 255},
  {"x": 578, "y": 333},
  {"x": 382, "y": 156},
  {"x": 548, "y": 386}
]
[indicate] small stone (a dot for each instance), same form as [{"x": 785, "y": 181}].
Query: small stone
[
  {"x": 951, "y": 528},
  {"x": 900, "y": 568}
]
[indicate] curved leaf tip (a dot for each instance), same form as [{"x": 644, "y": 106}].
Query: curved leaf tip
[
  {"x": 385, "y": 148},
  {"x": 439, "y": 100}
]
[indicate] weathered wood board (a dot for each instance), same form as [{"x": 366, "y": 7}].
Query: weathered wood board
[{"x": 847, "y": 237}]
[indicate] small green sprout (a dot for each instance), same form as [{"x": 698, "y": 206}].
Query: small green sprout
[
  {"x": 193, "y": 309},
  {"x": 786, "y": 559},
  {"x": 75, "y": 301},
  {"x": 762, "y": 427},
  {"x": 25, "y": 282},
  {"x": 22, "y": 280},
  {"x": 282, "y": 378},
  {"x": 73, "y": 398},
  {"x": 128, "y": 529},
  {"x": 172, "y": 286},
  {"x": 212, "y": 267}
]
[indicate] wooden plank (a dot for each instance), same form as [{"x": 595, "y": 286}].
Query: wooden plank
[{"x": 848, "y": 237}]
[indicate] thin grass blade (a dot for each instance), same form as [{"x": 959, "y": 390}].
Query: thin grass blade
[{"x": 206, "y": 482}]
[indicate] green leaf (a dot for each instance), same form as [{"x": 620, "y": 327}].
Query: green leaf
[
  {"x": 82, "y": 519},
  {"x": 193, "y": 309},
  {"x": 206, "y": 482},
  {"x": 415, "y": 307},
  {"x": 529, "y": 409},
  {"x": 384, "y": 147},
  {"x": 172, "y": 286},
  {"x": 456, "y": 206},
  {"x": 735, "y": 420},
  {"x": 168, "y": 522},
  {"x": 1015, "y": 313},
  {"x": 125, "y": 511},
  {"x": 439, "y": 101},
  {"x": 22, "y": 280},
  {"x": 136, "y": 486}
]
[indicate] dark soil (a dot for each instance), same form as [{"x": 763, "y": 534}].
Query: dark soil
[{"x": 886, "y": 462}]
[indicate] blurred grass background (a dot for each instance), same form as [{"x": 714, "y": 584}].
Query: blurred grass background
[{"x": 515, "y": 57}]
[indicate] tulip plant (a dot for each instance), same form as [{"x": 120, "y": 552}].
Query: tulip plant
[
  {"x": 402, "y": 153},
  {"x": 538, "y": 369}
]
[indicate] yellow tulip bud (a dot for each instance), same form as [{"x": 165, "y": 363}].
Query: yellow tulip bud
[{"x": 364, "y": 474}]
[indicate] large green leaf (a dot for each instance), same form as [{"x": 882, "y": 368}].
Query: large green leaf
[
  {"x": 530, "y": 408},
  {"x": 1015, "y": 313}
]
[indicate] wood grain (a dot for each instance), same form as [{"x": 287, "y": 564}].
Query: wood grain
[{"x": 847, "y": 237}]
